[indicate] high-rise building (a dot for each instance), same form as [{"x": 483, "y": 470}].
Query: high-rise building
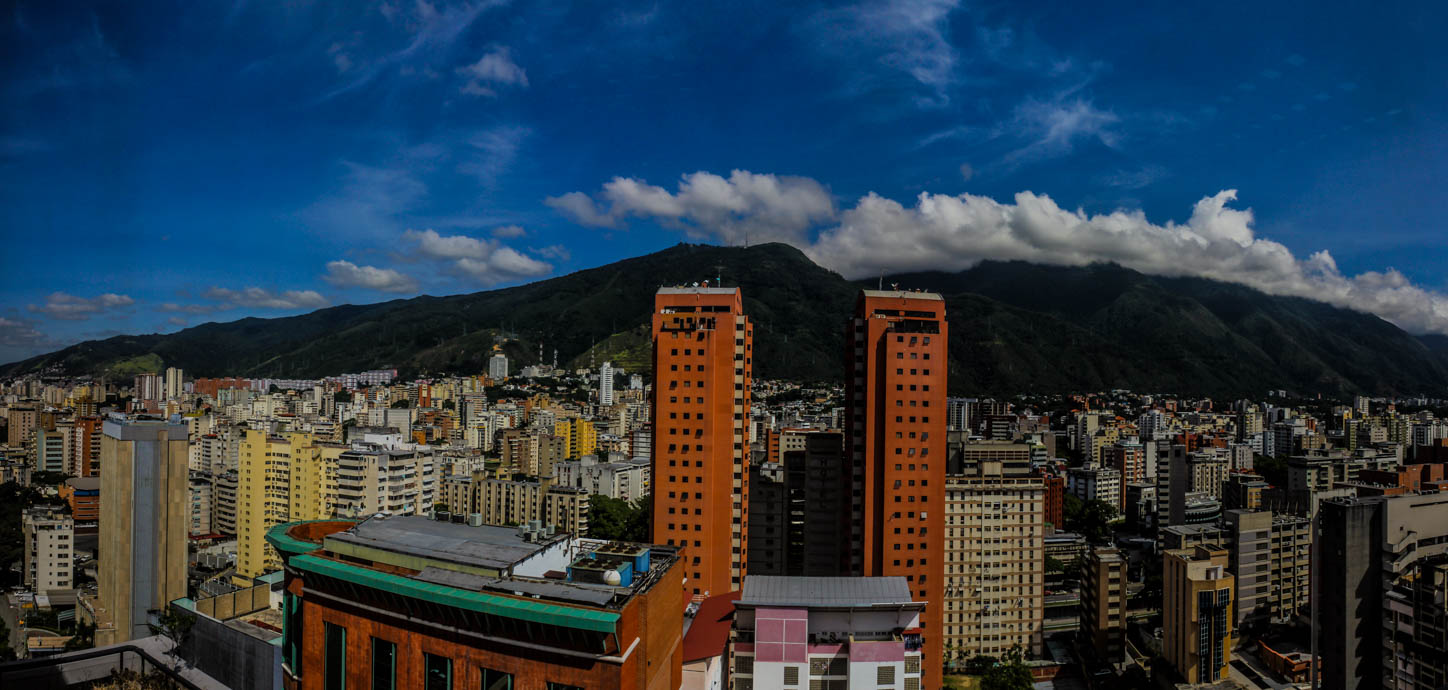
[
  {"x": 174, "y": 382},
  {"x": 994, "y": 565},
  {"x": 1096, "y": 484},
  {"x": 84, "y": 448},
  {"x": 1103, "y": 602},
  {"x": 1197, "y": 603},
  {"x": 798, "y": 508},
  {"x": 48, "y": 549},
  {"x": 1243, "y": 490},
  {"x": 200, "y": 502},
  {"x": 282, "y": 478},
  {"x": 1365, "y": 549},
  {"x": 458, "y": 606},
  {"x": 896, "y": 364},
  {"x": 149, "y": 389},
  {"x": 1420, "y": 624},
  {"x": 143, "y": 524},
  {"x": 605, "y": 384},
  {"x": 1249, "y": 545},
  {"x": 498, "y": 367},
  {"x": 378, "y": 480},
  {"x": 21, "y": 425},
  {"x": 703, "y": 347},
  {"x": 50, "y": 450}
]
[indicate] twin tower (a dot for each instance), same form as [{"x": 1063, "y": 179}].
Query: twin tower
[{"x": 895, "y": 367}]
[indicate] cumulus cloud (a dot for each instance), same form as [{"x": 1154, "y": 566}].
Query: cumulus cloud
[
  {"x": 487, "y": 261},
  {"x": 952, "y": 233},
  {"x": 347, "y": 274},
  {"x": 493, "y": 69},
  {"x": 260, "y": 298},
  {"x": 742, "y": 208},
  {"x": 17, "y": 333},
  {"x": 59, "y": 305},
  {"x": 509, "y": 231}
]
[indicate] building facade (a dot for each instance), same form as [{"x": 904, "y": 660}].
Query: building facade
[
  {"x": 143, "y": 525},
  {"x": 47, "y": 556},
  {"x": 827, "y": 632},
  {"x": 703, "y": 349},
  {"x": 1103, "y": 603},
  {"x": 1197, "y": 612},
  {"x": 442, "y": 605},
  {"x": 895, "y": 422}
]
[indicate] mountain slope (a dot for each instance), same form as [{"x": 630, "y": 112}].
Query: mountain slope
[{"x": 1015, "y": 327}]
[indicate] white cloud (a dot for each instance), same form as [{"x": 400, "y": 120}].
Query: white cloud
[
  {"x": 260, "y": 298},
  {"x": 553, "y": 251},
  {"x": 21, "y": 334},
  {"x": 953, "y": 233},
  {"x": 509, "y": 231},
  {"x": 906, "y": 36},
  {"x": 966, "y": 172},
  {"x": 174, "y": 308},
  {"x": 487, "y": 261},
  {"x": 490, "y": 152},
  {"x": 495, "y": 68},
  {"x": 742, "y": 208},
  {"x": 347, "y": 274},
  {"x": 176, "y": 321},
  {"x": 59, "y": 305},
  {"x": 1055, "y": 127}
]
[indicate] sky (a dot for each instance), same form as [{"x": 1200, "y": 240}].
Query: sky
[{"x": 165, "y": 164}]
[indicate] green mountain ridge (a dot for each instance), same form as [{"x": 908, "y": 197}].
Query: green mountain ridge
[{"x": 1015, "y": 327}]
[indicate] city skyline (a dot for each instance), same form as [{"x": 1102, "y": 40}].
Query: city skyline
[{"x": 254, "y": 161}]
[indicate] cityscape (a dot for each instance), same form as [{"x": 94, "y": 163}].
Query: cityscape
[{"x": 861, "y": 345}]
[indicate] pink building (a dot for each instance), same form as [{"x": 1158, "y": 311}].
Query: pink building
[{"x": 846, "y": 632}]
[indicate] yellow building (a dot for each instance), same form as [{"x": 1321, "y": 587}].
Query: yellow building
[
  {"x": 1197, "y": 612},
  {"x": 280, "y": 478},
  {"x": 580, "y": 435}
]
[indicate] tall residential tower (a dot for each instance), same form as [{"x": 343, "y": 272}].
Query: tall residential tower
[
  {"x": 895, "y": 437},
  {"x": 703, "y": 350}
]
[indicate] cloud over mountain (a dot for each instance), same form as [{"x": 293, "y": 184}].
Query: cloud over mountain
[{"x": 951, "y": 233}]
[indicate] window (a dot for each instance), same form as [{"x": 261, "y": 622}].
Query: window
[
  {"x": 885, "y": 675},
  {"x": 334, "y": 662},
  {"x": 791, "y": 675},
  {"x": 437, "y": 672},
  {"x": 384, "y": 665},
  {"x": 497, "y": 680}
]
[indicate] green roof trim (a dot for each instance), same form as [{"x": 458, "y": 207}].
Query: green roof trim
[
  {"x": 491, "y": 604},
  {"x": 287, "y": 544}
]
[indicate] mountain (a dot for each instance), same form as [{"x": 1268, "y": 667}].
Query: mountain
[{"x": 1015, "y": 327}]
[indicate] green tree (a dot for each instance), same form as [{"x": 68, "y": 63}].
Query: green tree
[
  {"x": 342, "y": 396},
  {"x": 979, "y": 664},
  {"x": 85, "y": 638},
  {"x": 615, "y": 518},
  {"x": 401, "y": 404},
  {"x": 1010, "y": 674},
  {"x": 6, "y": 652},
  {"x": 1091, "y": 519},
  {"x": 449, "y": 405},
  {"x": 175, "y": 626}
]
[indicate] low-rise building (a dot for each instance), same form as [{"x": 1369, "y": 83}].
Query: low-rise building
[
  {"x": 826, "y": 632},
  {"x": 409, "y": 602}
]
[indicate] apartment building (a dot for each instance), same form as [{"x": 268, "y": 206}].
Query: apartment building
[
  {"x": 1103, "y": 602},
  {"x": 703, "y": 354},
  {"x": 1197, "y": 612},
  {"x": 994, "y": 593},
  {"x": 895, "y": 438},
  {"x": 48, "y": 553},
  {"x": 282, "y": 478},
  {"x": 375, "y": 480}
]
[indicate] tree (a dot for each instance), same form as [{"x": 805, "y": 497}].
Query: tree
[
  {"x": 439, "y": 507},
  {"x": 175, "y": 626},
  {"x": 6, "y": 652},
  {"x": 401, "y": 404},
  {"x": 342, "y": 396},
  {"x": 84, "y": 638},
  {"x": 449, "y": 405},
  {"x": 979, "y": 664},
  {"x": 615, "y": 518},
  {"x": 1010, "y": 674},
  {"x": 1091, "y": 519}
]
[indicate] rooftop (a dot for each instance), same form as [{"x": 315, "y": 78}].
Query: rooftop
[
  {"x": 488, "y": 546},
  {"x": 904, "y": 294},
  {"x": 852, "y": 592},
  {"x": 708, "y": 632},
  {"x": 693, "y": 290}
]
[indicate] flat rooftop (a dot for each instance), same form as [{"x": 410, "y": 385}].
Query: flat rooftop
[
  {"x": 685, "y": 290},
  {"x": 825, "y": 592},
  {"x": 488, "y": 546},
  {"x": 904, "y": 294}
]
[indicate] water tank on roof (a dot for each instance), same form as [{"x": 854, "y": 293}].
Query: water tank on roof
[{"x": 612, "y": 578}]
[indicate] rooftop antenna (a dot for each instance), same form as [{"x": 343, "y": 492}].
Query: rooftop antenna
[{"x": 719, "y": 275}]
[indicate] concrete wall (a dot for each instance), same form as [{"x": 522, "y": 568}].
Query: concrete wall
[{"x": 231, "y": 656}]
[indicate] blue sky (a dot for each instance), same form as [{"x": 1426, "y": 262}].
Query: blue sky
[{"x": 166, "y": 164}]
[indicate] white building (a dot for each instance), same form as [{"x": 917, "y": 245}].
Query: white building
[
  {"x": 605, "y": 384},
  {"x": 373, "y": 480},
  {"x": 49, "y": 549},
  {"x": 844, "y": 632},
  {"x": 625, "y": 479},
  {"x": 1095, "y": 484},
  {"x": 498, "y": 367},
  {"x": 201, "y": 502}
]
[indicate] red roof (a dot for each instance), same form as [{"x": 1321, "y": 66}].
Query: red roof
[{"x": 710, "y": 630}]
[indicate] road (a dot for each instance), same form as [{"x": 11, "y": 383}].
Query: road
[{"x": 12, "y": 616}]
